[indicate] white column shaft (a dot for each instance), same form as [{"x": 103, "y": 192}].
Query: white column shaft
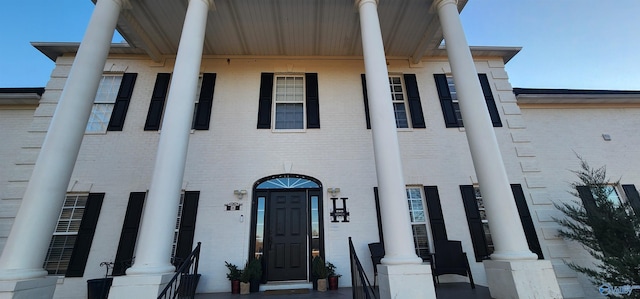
[
  {"x": 398, "y": 237},
  {"x": 27, "y": 245},
  {"x": 506, "y": 228},
  {"x": 153, "y": 251}
]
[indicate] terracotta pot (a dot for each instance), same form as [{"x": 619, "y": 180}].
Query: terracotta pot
[
  {"x": 244, "y": 288},
  {"x": 322, "y": 285},
  {"x": 235, "y": 287},
  {"x": 333, "y": 283}
]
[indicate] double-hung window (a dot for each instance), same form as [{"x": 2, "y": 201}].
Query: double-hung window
[
  {"x": 449, "y": 100},
  {"x": 289, "y": 103},
  {"x": 64, "y": 237},
  {"x": 418, "y": 216},
  {"x": 405, "y": 100},
  {"x": 103, "y": 104},
  {"x": 399, "y": 103}
]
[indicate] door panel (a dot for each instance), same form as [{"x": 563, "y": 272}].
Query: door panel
[{"x": 287, "y": 231}]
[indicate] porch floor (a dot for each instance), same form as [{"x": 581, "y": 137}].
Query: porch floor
[{"x": 443, "y": 291}]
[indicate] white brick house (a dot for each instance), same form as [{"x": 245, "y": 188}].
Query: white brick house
[{"x": 286, "y": 108}]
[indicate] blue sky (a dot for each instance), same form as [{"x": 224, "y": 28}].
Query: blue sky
[{"x": 578, "y": 44}]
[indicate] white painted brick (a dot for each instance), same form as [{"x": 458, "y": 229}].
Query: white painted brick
[
  {"x": 506, "y": 97},
  {"x": 515, "y": 122},
  {"x": 502, "y": 85},
  {"x": 520, "y": 136},
  {"x": 573, "y": 290},
  {"x": 14, "y": 190},
  {"x": 511, "y": 109},
  {"x": 529, "y": 165},
  {"x": 28, "y": 156},
  {"x": 499, "y": 73},
  {"x": 558, "y": 251},
  {"x": 540, "y": 196},
  {"x": 40, "y": 124},
  {"x": 46, "y": 110},
  {"x": 550, "y": 233},
  {"x": 5, "y": 226},
  {"x": 9, "y": 208},
  {"x": 525, "y": 150},
  {"x": 535, "y": 180},
  {"x": 496, "y": 63},
  {"x": 547, "y": 215}
]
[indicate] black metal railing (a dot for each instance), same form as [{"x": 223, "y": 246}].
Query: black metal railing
[
  {"x": 360, "y": 282},
  {"x": 184, "y": 282}
]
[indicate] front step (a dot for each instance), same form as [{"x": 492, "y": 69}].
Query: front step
[{"x": 285, "y": 285}]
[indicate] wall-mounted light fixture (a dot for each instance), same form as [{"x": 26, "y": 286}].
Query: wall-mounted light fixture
[
  {"x": 333, "y": 191},
  {"x": 239, "y": 193}
]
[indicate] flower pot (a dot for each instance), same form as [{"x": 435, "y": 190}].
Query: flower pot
[
  {"x": 244, "y": 288},
  {"x": 322, "y": 285},
  {"x": 255, "y": 285},
  {"x": 333, "y": 282},
  {"x": 235, "y": 287}
]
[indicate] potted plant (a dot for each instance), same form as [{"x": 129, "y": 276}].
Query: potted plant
[
  {"x": 332, "y": 276},
  {"x": 320, "y": 273},
  {"x": 253, "y": 274},
  {"x": 244, "y": 282},
  {"x": 234, "y": 276}
]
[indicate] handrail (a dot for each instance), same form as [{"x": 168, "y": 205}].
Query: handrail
[
  {"x": 185, "y": 287},
  {"x": 361, "y": 286}
]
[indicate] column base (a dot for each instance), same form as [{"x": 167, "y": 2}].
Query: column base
[
  {"x": 406, "y": 281},
  {"x": 32, "y": 288},
  {"x": 138, "y": 286},
  {"x": 521, "y": 279}
]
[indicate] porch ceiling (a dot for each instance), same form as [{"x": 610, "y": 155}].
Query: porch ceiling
[{"x": 410, "y": 28}]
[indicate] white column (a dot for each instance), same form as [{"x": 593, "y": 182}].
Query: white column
[
  {"x": 506, "y": 229},
  {"x": 398, "y": 237},
  {"x": 28, "y": 241},
  {"x": 153, "y": 250},
  {"x": 402, "y": 273}
]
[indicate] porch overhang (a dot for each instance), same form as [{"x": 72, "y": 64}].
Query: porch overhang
[{"x": 410, "y": 28}]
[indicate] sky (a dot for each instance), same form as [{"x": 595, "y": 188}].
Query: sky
[{"x": 574, "y": 44}]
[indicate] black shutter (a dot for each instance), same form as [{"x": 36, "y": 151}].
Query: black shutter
[
  {"x": 366, "y": 100},
  {"x": 264, "y": 102},
  {"x": 450, "y": 119},
  {"x": 413, "y": 97},
  {"x": 588, "y": 201},
  {"x": 527, "y": 221},
  {"x": 438, "y": 228},
  {"x": 81, "y": 248},
  {"x": 203, "y": 113},
  {"x": 187, "y": 226},
  {"x": 312, "y": 101},
  {"x": 633, "y": 197},
  {"x": 116, "y": 123},
  {"x": 491, "y": 103},
  {"x": 129, "y": 234},
  {"x": 154, "y": 116},
  {"x": 378, "y": 216},
  {"x": 475, "y": 222}
]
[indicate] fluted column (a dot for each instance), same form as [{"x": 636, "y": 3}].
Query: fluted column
[
  {"x": 28, "y": 241},
  {"x": 506, "y": 229},
  {"x": 398, "y": 237},
  {"x": 153, "y": 251}
]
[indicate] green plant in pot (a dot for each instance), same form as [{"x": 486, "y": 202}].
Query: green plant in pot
[
  {"x": 332, "y": 276},
  {"x": 253, "y": 274},
  {"x": 320, "y": 273},
  {"x": 234, "y": 275}
]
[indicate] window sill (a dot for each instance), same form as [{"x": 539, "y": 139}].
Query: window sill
[{"x": 288, "y": 130}]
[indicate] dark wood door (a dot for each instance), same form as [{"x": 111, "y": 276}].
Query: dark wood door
[{"x": 287, "y": 239}]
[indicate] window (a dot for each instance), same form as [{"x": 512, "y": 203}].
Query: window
[
  {"x": 449, "y": 100},
  {"x": 454, "y": 100},
  {"x": 418, "y": 216},
  {"x": 405, "y": 98},
  {"x": 398, "y": 100},
  {"x": 289, "y": 103},
  {"x": 64, "y": 237},
  {"x": 483, "y": 219},
  {"x": 297, "y": 104},
  {"x": 103, "y": 104},
  {"x": 176, "y": 230}
]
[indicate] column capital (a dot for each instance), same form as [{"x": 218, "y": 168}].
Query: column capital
[
  {"x": 441, "y": 3},
  {"x": 359, "y": 3},
  {"x": 210, "y": 3}
]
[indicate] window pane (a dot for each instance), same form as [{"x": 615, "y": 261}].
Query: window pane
[
  {"x": 99, "y": 119},
  {"x": 260, "y": 227},
  {"x": 401, "y": 115},
  {"x": 289, "y": 116},
  {"x": 64, "y": 238}
]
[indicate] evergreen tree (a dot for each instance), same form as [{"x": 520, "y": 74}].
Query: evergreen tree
[{"x": 608, "y": 230}]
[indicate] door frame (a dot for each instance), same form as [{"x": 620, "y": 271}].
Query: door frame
[{"x": 311, "y": 192}]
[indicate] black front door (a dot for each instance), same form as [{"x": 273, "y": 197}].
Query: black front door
[{"x": 287, "y": 236}]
